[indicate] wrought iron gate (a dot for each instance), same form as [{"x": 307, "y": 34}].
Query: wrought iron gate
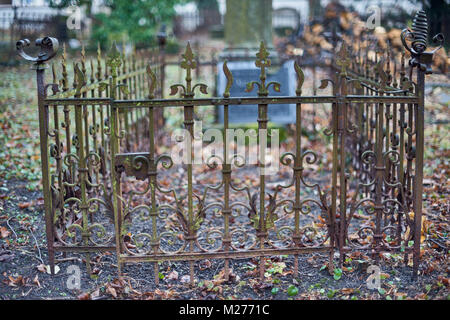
[{"x": 88, "y": 130}]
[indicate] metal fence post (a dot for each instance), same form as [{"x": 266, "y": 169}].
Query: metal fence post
[
  {"x": 421, "y": 60},
  {"x": 49, "y": 47},
  {"x": 114, "y": 62},
  {"x": 418, "y": 179}
]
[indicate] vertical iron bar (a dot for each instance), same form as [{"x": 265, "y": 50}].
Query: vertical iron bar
[
  {"x": 342, "y": 127},
  {"x": 262, "y": 125},
  {"x": 189, "y": 125},
  {"x": 115, "y": 176},
  {"x": 45, "y": 165},
  {"x": 82, "y": 171},
  {"x": 418, "y": 179},
  {"x": 226, "y": 173},
  {"x": 298, "y": 171},
  {"x": 334, "y": 126}
]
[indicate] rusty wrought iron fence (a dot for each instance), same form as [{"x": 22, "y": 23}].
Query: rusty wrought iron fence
[{"x": 89, "y": 127}]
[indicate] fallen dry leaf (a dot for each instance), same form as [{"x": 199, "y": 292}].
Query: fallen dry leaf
[
  {"x": 19, "y": 281},
  {"x": 84, "y": 296},
  {"x": 347, "y": 290},
  {"x": 25, "y": 205},
  {"x": 42, "y": 267},
  {"x": 173, "y": 275},
  {"x": 36, "y": 281},
  {"x": 4, "y": 233},
  {"x": 111, "y": 291}
]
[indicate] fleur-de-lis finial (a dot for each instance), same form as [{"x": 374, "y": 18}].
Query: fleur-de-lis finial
[
  {"x": 114, "y": 59},
  {"x": 343, "y": 60},
  {"x": 262, "y": 56},
  {"x": 262, "y": 62},
  {"x": 188, "y": 63}
]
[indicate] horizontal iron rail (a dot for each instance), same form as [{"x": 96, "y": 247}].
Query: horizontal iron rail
[
  {"x": 217, "y": 254},
  {"x": 194, "y": 256},
  {"x": 62, "y": 248},
  {"x": 381, "y": 249},
  {"x": 231, "y": 101}
]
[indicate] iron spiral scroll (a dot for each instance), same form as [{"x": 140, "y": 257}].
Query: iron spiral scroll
[
  {"x": 420, "y": 30},
  {"x": 418, "y": 35}
]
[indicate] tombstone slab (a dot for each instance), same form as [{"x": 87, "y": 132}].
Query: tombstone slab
[{"x": 245, "y": 72}]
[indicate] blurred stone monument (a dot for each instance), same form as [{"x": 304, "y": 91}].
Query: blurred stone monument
[{"x": 247, "y": 23}]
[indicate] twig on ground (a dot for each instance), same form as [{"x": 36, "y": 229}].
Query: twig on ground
[
  {"x": 9, "y": 226},
  {"x": 69, "y": 259},
  {"x": 37, "y": 245},
  {"x": 106, "y": 263},
  {"x": 137, "y": 280},
  {"x": 437, "y": 243},
  {"x": 27, "y": 293}
]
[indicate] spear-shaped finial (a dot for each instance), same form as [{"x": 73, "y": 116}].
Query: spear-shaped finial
[
  {"x": 65, "y": 79},
  {"x": 92, "y": 78},
  {"x": 99, "y": 62},
  {"x": 83, "y": 59},
  {"x": 124, "y": 57}
]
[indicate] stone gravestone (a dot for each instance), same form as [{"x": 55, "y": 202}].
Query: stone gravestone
[
  {"x": 245, "y": 72},
  {"x": 247, "y": 23}
]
